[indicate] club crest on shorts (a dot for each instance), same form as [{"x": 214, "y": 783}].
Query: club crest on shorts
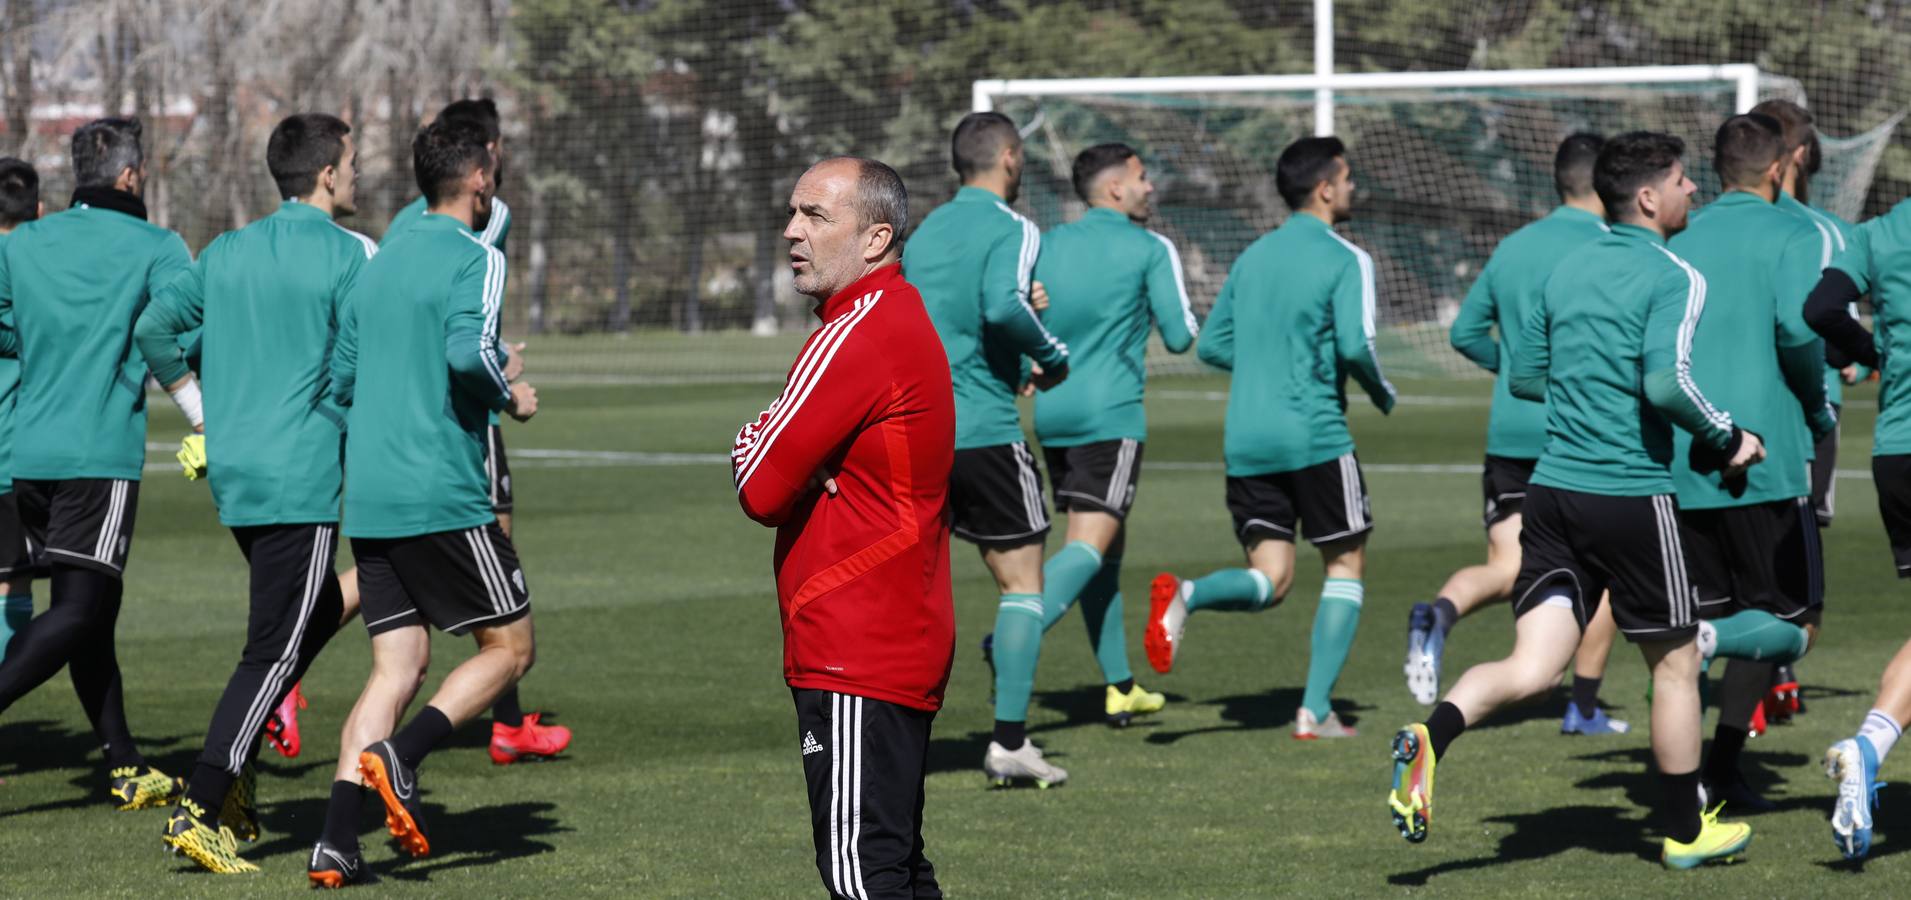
[{"x": 517, "y": 578}]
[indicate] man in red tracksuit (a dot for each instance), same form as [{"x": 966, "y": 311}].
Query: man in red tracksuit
[{"x": 851, "y": 465}]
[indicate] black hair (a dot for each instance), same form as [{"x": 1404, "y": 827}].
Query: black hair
[
  {"x": 1627, "y": 163},
  {"x": 103, "y": 148},
  {"x": 1095, "y": 160},
  {"x": 1304, "y": 164},
  {"x": 1745, "y": 147},
  {"x": 445, "y": 152},
  {"x": 1794, "y": 120},
  {"x": 481, "y": 111},
  {"x": 978, "y": 140},
  {"x": 1573, "y": 164},
  {"x": 19, "y": 192},
  {"x": 301, "y": 147}
]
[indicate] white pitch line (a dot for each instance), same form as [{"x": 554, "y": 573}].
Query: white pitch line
[
  {"x": 588, "y": 459},
  {"x": 1403, "y": 400}
]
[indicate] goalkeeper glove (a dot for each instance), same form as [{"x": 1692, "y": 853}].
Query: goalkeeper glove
[{"x": 192, "y": 456}]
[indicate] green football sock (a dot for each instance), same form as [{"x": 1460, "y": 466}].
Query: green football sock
[
  {"x": 1759, "y": 636},
  {"x": 1101, "y": 612},
  {"x": 1232, "y": 590},
  {"x": 1064, "y": 576},
  {"x": 1335, "y": 622},
  {"x": 1017, "y": 647},
  {"x": 18, "y": 611}
]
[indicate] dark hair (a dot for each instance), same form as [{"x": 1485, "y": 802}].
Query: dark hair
[
  {"x": 301, "y": 147},
  {"x": 1629, "y": 162},
  {"x": 1304, "y": 164},
  {"x": 445, "y": 152},
  {"x": 103, "y": 148},
  {"x": 881, "y": 197},
  {"x": 19, "y": 192},
  {"x": 1815, "y": 157},
  {"x": 1794, "y": 120},
  {"x": 481, "y": 111},
  {"x": 1573, "y": 164},
  {"x": 978, "y": 140},
  {"x": 1095, "y": 160},
  {"x": 1745, "y": 147}
]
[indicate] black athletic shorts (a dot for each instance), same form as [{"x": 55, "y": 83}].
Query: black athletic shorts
[
  {"x": 1098, "y": 477},
  {"x": 1328, "y": 500},
  {"x": 16, "y": 552},
  {"x": 864, "y": 761},
  {"x": 497, "y": 470},
  {"x": 1824, "y": 473},
  {"x": 85, "y": 522},
  {"x": 995, "y": 496},
  {"x": 453, "y": 580},
  {"x": 1577, "y": 546},
  {"x": 1503, "y": 482},
  {"x": 1892, "y": 475},
  {"x": 1765, "y": 557}
]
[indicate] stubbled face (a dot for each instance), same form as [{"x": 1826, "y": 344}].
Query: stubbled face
[
  {"x": 1340, "y": 191},
  {"x": 345, "y": 180},
  {"x": 1014, "y": 169},
  {"x": 826, "y": 244},
  {"x": 1668, "y": 201},
  {"x": 1131, "y": 189}
]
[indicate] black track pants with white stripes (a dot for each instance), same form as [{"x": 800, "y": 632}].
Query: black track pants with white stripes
[
  {"x": 296, "y": 606},
  {"x": 864, "y": 760}
]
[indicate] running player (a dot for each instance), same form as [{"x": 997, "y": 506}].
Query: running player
[
  {"x": 1803, "y": 158},
  {"x": 515, "y": 734},
  {"x": 71, "y": 286},
  {"x": 1294, "y": 320},
  {"x": 973, "y": 259},
  {"x": 1751, "y": 541},
  {"x": 1607, "y": 348},
  {"x": 267, "y": 296},
  {"x": 1875, "y": 261},
  {"x": 419, "y": 363},
  {"x": 19, "y": 204},
  {"x": 1108, "y": 276},
  {"x": 1507, "y": 288}
]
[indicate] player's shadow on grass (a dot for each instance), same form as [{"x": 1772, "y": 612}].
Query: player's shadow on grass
[
  {"x": 1601, "y": 829},
  {"x": 1635, "y": 776},
  {"x": 40, "y": 745},
  {"x": 1550, "y": 707},
  {"x": 1257, "y": 712},
  {"x": 468, "y": 837},
  {"x": 1084, "y": 705},
  {"x": 1886, "y": 820}
]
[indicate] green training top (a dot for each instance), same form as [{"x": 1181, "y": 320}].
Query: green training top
[
  {"x": 419, "y": 363},
  {"x": 1834, "y": 234},
  {"x": 1299, "y": 304},
  {"x": 9, "y": 396},
  {"x": 1618, "y": 316},
  {"x": 71, "y": 286},
  {"x": 1106, "y": 278},
  {"x": 1878, "y": 259},
  {"x": 267, "y": 296},
  {"x": 973, "y": 259},
  {"x": 1507, "y": 288},
  {"x": 496, "y": 230},
  {"x": 1752, "y": 349}
]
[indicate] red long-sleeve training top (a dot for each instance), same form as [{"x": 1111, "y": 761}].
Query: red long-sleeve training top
[{"x": 862, "y": 576}]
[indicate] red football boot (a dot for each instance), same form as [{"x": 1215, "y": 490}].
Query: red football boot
[
  {"x": 282, "y": 727},
  {"x": 530, "y": 740}
]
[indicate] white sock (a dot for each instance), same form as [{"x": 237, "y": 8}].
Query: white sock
[
  {"x": 1881, "y": 730},
  {"x": 1708, "y": 639}
]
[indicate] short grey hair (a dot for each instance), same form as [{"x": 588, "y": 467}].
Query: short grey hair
[
  {"x": 881, "y": 197},
  {"x": 103, "y": 148}
]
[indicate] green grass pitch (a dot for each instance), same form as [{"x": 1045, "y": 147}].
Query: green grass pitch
[{"x": 659, "y": 644}]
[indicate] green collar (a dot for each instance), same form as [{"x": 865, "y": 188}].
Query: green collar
[
  {"x": 1741, "y": 198},
  {"x": 299, "y": 210},
  {"x": 1306, "y": 220},
  {"x": 978, "y": 195},
  {"x": 1574, "y": 212},
  {"x": 430, "y": 221},
  {"x": 1104, "y": 214},
  {"x": 1638, "y": 231}
]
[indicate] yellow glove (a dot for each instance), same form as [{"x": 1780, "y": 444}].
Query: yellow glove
[{"x": 192, "y": 456}]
